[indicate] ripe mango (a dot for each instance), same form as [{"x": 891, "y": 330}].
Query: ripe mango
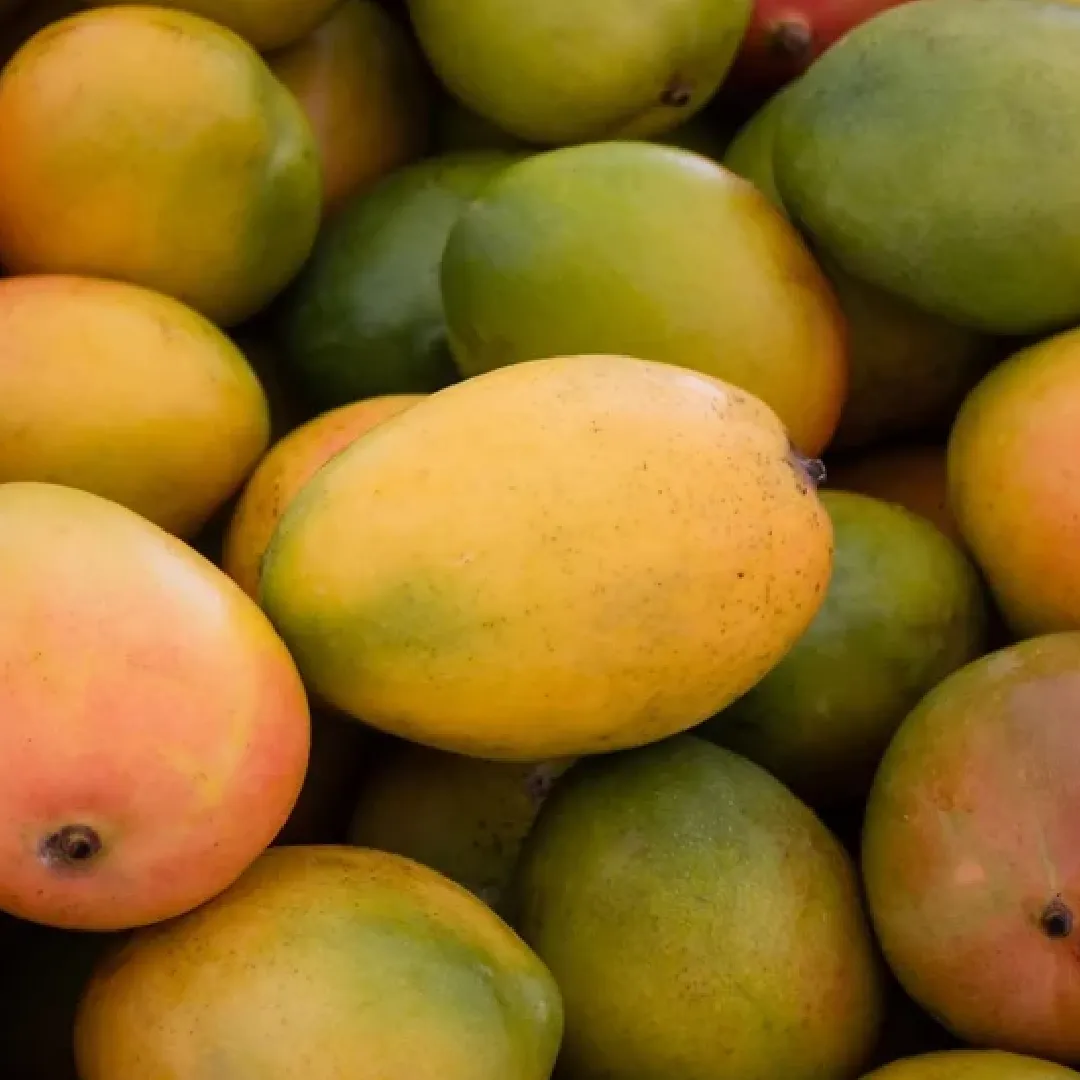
[
  {"x": 561, "y": 557},
  {"x": 154, "y": 731}
]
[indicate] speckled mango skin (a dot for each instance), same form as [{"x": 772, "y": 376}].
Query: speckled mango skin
[
  {"x": 972, "y": 1065},
  {"x": 220, "y": 214},
  {"x": 1012, "y": 484},
  {"x": 289, "y": 465},
  {"x": 700, "y": 920},
  {"x": 127, "y": 393},
  {"x": 323, "y": 963},
  {"x": 142, "y": 694},
  {"x": 561, "y": 557},
  {"x": 972, "y": 830}
]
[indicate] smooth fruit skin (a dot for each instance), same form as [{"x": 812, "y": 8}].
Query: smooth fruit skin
[
  {"x": 289, "y": 465},
  {"x": 972, "y": 1065},
  {"x": 142, "y": 696},
  {"x": 895, "y": 155},
  {"x": 365, "y": 316},
  {"x": 971, "y": 850},
  {"x": 654, "y": 252},
  {"x": 320, "y": 963},
  {"x": 266, "y": 24},
  {"x": 220, "y": 215},
  {"x": 364, "y": 90},
  {"x": 914, "y": 477},
  {"x": 127, "y": 393},
  {"x": 1012, "y": 484},
  {"x": 904, "y": 608},
  {"x": 701, "y": 922},
  {"x": 565, "y": 72},
  {"x": 562, "y": 557}
]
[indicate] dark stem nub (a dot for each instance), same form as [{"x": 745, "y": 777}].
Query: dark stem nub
[
  {"x": 791, "y": 38},
  {"x": 1056, "y": 920},
  {"x": 812, "y": 468},
  {"x": 71, "y": 846},
  {"x": 677, "y": 94}
]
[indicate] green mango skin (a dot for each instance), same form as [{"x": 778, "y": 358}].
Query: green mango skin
[
  {"x": 904, "y": 609},
  {"x": 898, "y": 154},
  {"x": 365, "y": 316}
]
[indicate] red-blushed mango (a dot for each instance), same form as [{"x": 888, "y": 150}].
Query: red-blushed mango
[
  {"x": 153, "y": 729},
  {"x": 266, "y": 24},
  {"x": 220, "y": 213},
  {"x": 364, "y": 89},
  {"x": 915, "y": 477},
  {"x": 1013, "y": 484},
  {"x": 290, "y": 464},
  {"x": 971, "y": 850},
  {"x": 648, "y": 251},
  {"x": 972, "y": 1065},
  {"x": 126, "y": 393},
  {"x": 561, "y": 557},
  {"x": 323, "y": 963}
]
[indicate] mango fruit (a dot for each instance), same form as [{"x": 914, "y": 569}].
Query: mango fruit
[
  {"x": 281, "y": 474},
  {"x": 637, "y": 543},
  {"x": 564, "y": 72},
  {"x": 320, "y": 963},
  {"x": 893, "y": 151},
  {"x": 970, "y": 850},
  {"x": 365, "y": 317},
  {"x": 153, "y": 729},
  {"x": 653, "y": 252},
  {"x": 364, "y": 90},
  {"x": 220, "y": 215},
  {"x": 1012, "y": 484},
  {"x": 904, "y": 608},
  {"x": 701, "y": 922},
  {"x": 908, "y": 369},
  {"x": 266, "y": 24},
  {"x": 972, "y": 1065},
  {"x": 463, "y": 816},
  {"x": 126, "y": 393}
]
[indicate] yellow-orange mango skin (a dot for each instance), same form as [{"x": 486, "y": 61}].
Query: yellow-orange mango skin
[
  {"x": 156, "y": 147},
  {"x": 1014, "y": 485},
  {"x": 266, "y": 24},
  {"x": 972, "y": 1065},
  {"x": 560, "y": 557},
  {"x": 320, "y": 963},
  {"x": 126, "y": 393},
  {"x": 284, "y": 471},
  {"x": 363, "y": 87},
  {"x": 142, "y": 695}
]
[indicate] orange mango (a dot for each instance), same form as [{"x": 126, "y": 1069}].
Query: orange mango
[
  {"x": 285, "y": 470},
  {"x": 154, "y": 731}
]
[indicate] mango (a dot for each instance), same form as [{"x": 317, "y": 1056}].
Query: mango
[
  {"x": 463, "y": 816},
  {"x": 219, "y": 215},
  {"x": 972, "y": 1065},
  {"x": 908, "y": 369},
  {"x": 121, "y": 391},
  {"x": 1012, "y": 484},
  {"x": 561, "y": 557},
  {"x": 970, "y": 850},
  {"x": 364, "y": 90},
  {"x": 320, "y": 963},
  {"x": 564, "y": 72},
  {"x": 904, "y": 608},
  {"x": 281, "y": 474},
  {"x": 153, "y": 729},
  {"x": 648, "y": 251},
  {"x": 700, "y": 920},
  {"x": 896, "y": 155}
]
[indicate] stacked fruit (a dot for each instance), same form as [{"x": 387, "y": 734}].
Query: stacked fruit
[{"x": 427, "y": 649}]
